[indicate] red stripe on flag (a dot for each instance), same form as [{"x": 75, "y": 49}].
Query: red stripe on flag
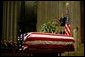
[
  {"x": 49, "y": 39},
  {"x": 40, "y": 46},
  {"x": 68, "y": 30}
]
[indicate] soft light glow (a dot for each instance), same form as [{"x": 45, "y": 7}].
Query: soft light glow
[
  {"x": 67, "y": 3},
  {"x": 20, "y": 49}
]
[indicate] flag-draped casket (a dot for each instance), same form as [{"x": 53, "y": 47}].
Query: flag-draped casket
[{"x": 48, "y": 42}]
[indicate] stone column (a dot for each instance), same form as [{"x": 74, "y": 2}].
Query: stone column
[
  {"x": 47, "y": 10},
  {"x": 15, "y": 20},
  {"x": 11, "y": 15},
  {"x": 4, "y": 21},
  {"x": 7, "y": 32},
  {"x": 11, "y": 19}
]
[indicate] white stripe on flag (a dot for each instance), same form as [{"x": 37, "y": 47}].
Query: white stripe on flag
[
  {"x": 48, "y": 42},
  {"x": 50, "y": 36},
  {"x": 68, "y": 28}
]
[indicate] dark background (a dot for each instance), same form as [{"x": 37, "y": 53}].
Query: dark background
[
  {"x": 28, "y": 19},
  {"x": 1, "y": 17}
]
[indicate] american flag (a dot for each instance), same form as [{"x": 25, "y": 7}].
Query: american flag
[
  {"x": 68, "y": 27},
  {"x": 20, "y": 41},
  {"x": 41, "y": 40}
]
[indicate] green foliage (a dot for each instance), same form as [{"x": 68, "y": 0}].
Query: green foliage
[{"x": 50, "y": 26}]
